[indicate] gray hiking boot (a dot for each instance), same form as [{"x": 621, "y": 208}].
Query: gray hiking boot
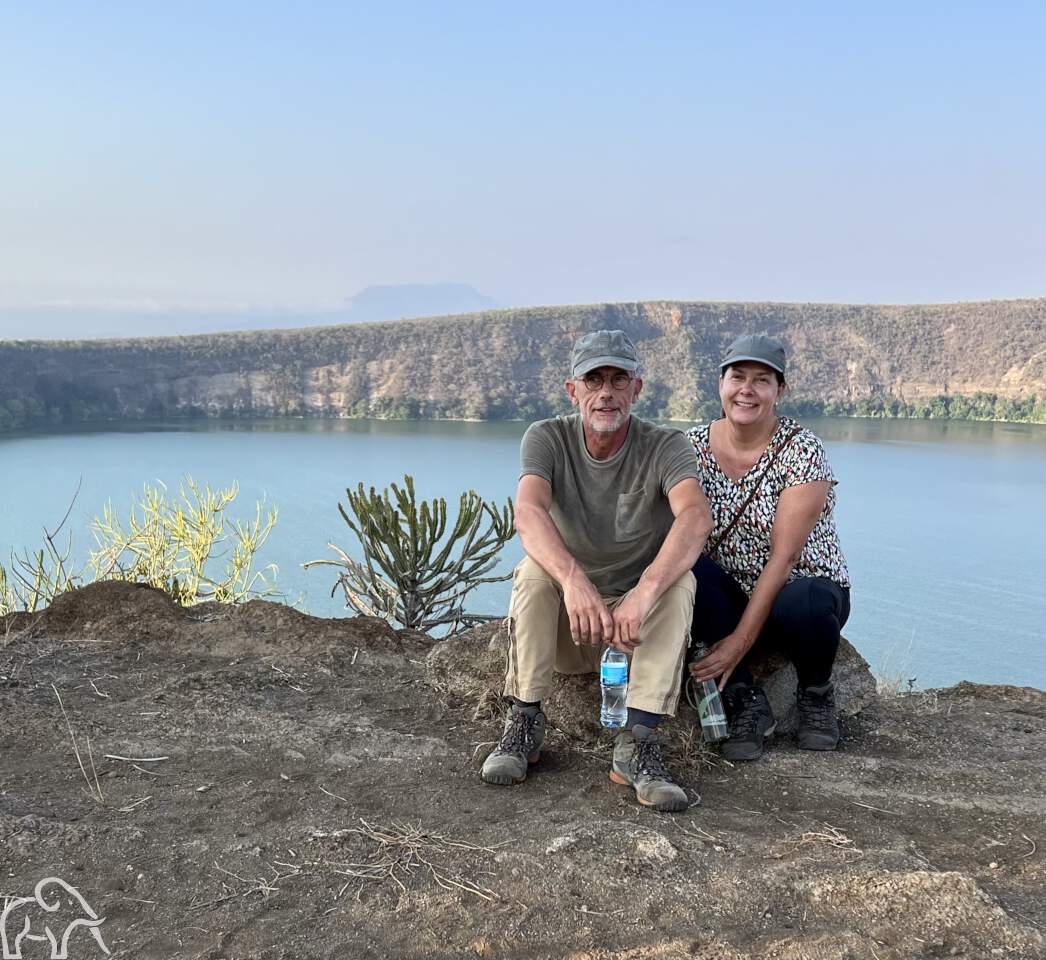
[
  {"x": 638, "y": 763},
  {"x": 751, "y": 721},
  {"x": 818, "y": 720},
  {"x": 520, "y": 746}
]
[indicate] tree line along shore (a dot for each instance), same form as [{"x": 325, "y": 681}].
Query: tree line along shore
[{"x": 963, "y": 361}]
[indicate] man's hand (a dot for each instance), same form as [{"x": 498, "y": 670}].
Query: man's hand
[
  {"x": 628, "y": 618},
  {"x": 721, "y": 659},
  {"x": 590, "y": 620}
]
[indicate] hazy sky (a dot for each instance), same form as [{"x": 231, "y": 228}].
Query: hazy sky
[{"x": 289, "y": 154}]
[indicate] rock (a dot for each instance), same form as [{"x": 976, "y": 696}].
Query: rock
[
  {"x": 854, "y": 684},
  {"x": 559, "y": 844},
  {"x": 653, "y": 847},
  {"x": 482, "y": 751},
  {"x": 471, "y": 668}
]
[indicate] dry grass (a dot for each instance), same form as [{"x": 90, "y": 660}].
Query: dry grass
[
  {"x": 260, "y": 885},
  {"x": 687, "y": 752},
  {"x": 94, "y": 787},
  {"x": 400, "y": 852},
  {"x": 825, "y": 838}
]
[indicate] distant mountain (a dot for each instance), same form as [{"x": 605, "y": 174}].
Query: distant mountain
[
  {"x": 960, "y": 360},
  {"x": 370, "y": 304},
  {"x": 415, "y": 300}
]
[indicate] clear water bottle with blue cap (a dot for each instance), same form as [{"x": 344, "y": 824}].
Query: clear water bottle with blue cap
[{"x": 613, "y": 679}]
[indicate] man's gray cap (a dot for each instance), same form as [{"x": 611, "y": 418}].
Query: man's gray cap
[
  {"x": 604, "y": 348},
  {"x": 755, "y": 346}
]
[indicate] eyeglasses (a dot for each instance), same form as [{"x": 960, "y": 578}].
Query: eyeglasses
[{"x": 595, "y": 381}]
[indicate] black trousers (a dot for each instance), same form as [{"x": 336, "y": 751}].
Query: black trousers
[{"x": 804, "y": 623}]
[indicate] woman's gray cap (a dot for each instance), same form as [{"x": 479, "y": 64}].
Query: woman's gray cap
[
  {"x": 604, "y": 348},
  {"x": 755, "y": 346}
]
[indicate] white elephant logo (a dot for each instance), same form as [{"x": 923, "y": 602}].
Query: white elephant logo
[{"x": 38, "y": 926}]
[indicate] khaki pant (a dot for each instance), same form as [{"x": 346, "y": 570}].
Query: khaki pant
[{"x": 540, "y": 642}]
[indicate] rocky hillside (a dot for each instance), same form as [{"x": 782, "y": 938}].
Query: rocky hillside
[
  {"x": 984, "y": 360},
  {"x": 252, "y": 782}
]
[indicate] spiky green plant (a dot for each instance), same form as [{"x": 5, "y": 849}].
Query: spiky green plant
[{"x": 416, "y": 572}]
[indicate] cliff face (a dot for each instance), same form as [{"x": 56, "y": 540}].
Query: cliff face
[{"x": 512, "y": 363}]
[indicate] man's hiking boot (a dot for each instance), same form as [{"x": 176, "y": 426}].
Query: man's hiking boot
[
  {"x": 751, "y": 721},
  {"x": 520, "y": 746},
  {"x": 818, "y": 720},
  {"x": 638, "y": 763}
]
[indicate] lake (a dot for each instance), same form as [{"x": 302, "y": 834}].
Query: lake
[{"x": 943, "y": 523}]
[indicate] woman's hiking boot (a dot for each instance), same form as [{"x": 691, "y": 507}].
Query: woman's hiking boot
[
  {"x": 520, "y": 746},
  {"x": 818, "y": 719},
  {"x": 751, "y": 721},
  {"x": 638, "y": 763}
]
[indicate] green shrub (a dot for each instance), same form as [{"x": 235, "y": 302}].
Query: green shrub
[
  {"x": 187, "y": 546},
  {"x": 173, "y": 544},
  {"x": 415, "y": 573}
]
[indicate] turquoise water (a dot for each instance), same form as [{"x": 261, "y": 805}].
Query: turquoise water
[{"x": 943, "y": 524}]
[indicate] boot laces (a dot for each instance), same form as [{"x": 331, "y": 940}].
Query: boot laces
[
  {"x": 518, "y": 735},
  {"x": 746, "y": 714},
  {"x": 817, "y": 709},
  {"x": 650, "y": 762}
]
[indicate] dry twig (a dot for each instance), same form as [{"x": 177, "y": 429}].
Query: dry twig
[
  {"x": 868, "y": 806},
  {"x": 402, "y": 850},
  {"x": 830, "y": 836},
  {"x": 262, "y": 885},
  {"x": 95, "y": 790}
]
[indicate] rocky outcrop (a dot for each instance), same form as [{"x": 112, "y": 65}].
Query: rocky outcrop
[{"x": 472, "y": 667}]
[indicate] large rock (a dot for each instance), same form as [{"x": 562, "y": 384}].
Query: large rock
[{"x": 471, "y": 669}]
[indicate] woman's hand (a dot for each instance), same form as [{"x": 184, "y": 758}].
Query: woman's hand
[{"x": 721, "y": 659}]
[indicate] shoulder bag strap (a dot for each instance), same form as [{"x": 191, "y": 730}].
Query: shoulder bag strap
[{"x": 711, "y": 548}]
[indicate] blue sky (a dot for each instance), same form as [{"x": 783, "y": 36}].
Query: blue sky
[{"x": 257, "y": 154}]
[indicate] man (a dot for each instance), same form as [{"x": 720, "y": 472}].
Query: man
[{"x": 612, "y": 518}]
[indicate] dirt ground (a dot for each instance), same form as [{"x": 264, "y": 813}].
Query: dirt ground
[{"x": 318, "y": 796}]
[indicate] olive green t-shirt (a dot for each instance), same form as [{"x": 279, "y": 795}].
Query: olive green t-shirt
[{"x": 613, "y": 515}]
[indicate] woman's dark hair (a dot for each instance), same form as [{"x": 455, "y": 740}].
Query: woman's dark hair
[{"x": 777, "y": 373}]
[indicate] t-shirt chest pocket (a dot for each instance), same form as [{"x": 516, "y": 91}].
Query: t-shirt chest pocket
[{"x": 632, "y": 518}]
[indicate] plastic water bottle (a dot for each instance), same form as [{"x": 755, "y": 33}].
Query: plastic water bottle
[
  {"x": 709, "y": 704},
  {"x": 613, "y": 678}
]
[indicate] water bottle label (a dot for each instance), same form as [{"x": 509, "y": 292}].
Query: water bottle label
[
  {"x": 613, "y": 674},
  {"x": 707, "y": 709}
]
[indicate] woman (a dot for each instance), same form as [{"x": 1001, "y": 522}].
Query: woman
[{"x": 773, "y": 576}]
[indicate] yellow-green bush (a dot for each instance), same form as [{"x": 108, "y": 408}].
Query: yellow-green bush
[{"x": 185, "y": 545}]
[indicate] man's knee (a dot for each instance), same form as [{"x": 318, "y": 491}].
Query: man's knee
[
  {"x": 530, "y": 584},
  {"x": 677, "y": 601},
  {"x": 528, "y": 569}
]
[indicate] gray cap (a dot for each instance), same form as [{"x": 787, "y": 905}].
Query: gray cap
[
  {"x": 604, "y": 348},
  {"x": 755, "y": 346}
]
